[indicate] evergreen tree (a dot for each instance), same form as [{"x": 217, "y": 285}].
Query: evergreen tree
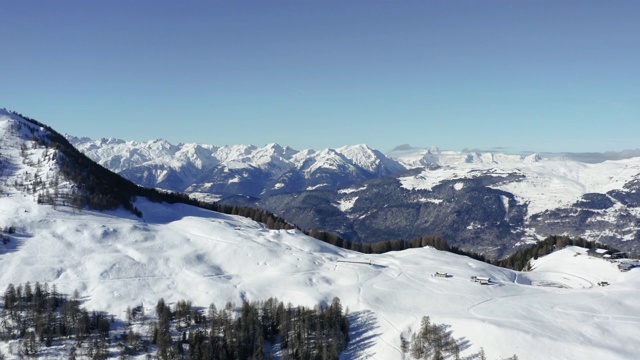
[
  {"x": 481, "y": 355},
  {"x": 404, "y": 344}
]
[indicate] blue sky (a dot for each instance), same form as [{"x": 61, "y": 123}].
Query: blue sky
[{"x": 543, "y": 75}]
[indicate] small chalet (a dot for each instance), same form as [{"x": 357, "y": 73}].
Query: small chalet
[
  {"x": 599, "y": 253},
  {"x": 626, "y": 266},
  {"x": 482, "y": 280}
]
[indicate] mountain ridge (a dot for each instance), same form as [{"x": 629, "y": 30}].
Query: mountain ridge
[
  {"x": 236, "y": 169},
  {"x": 487, "y": 202}
]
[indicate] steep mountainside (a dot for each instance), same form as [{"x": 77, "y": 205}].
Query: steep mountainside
[{"x": 57, "y": 173}]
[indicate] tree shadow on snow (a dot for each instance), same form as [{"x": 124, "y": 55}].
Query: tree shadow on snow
[
  {"x": 465, "y": 344},
  {"x": 11, "y": 242},
  {"x": 362, "y": 334}
]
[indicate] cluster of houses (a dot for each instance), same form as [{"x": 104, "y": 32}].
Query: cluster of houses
[
  {"x": 623, "y": 266},
  {"x": 482, "y": 280},
  {"x": 606, "y": 254},
  {"x": 610, "y": 256}
]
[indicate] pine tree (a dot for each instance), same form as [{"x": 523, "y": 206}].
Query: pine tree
[
  {"x": 417, "y": 346},
  {"x": 438, "y": 355},
  {"x": 163, "y": 340},
  {"x": 72, "y": 353},
  {"x": 10, "y": 298},
  {"x": 404, "y": 344},
  {"x": 481, "y": 355}
]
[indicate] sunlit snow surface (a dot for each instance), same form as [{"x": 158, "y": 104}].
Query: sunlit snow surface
[
  {"x": 179, "y": 252},
  {"x": 116, "y": 260}
]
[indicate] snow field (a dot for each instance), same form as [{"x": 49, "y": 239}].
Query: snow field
[
  {"x": 178, "y": 252},
  {"x": 175, "y": 252}
]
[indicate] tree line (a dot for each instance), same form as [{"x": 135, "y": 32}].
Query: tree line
[
  {"x": 385, "y": 246},
  {"x": 298, "y": 332},
  {"x": 38, "y": 318}
]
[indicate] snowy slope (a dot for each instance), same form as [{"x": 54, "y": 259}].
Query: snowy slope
[
  {"x": 179, "y": 252},
  {"x": 116, "y": 260},
  {"x": 369, "y": 159},
  {"x": 25, "y": 165}
]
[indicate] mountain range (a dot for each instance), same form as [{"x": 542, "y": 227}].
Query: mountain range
[
  {"x": 118, "y": 259},
  {"x": 488, "y": 202},
  {"x": 221, "y": 171}
]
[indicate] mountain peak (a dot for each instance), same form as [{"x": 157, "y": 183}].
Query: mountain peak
[
  {"x": 363, "y": 147},
  {"x": 273, "y": 146}
]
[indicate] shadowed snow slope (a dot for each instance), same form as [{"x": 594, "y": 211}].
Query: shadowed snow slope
[{"x": 179, "y": 252}]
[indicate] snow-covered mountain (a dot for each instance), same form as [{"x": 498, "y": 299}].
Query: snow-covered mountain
[
  {"x": 483, "y": 201},
  {"x": 116, "y": 260},
  {"x": 220, "y": 171},
  {"x": 490, "y": 203},
  {"x": 434, "y": 157}
]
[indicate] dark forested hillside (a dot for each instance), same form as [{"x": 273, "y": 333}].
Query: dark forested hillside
[{"x": 476, "y": 217}]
